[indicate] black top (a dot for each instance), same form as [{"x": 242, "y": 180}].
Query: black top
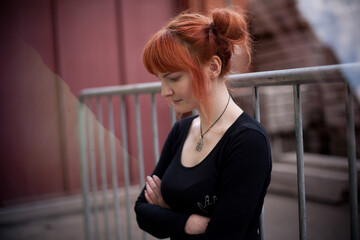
[{"x": 228, "y": 186}]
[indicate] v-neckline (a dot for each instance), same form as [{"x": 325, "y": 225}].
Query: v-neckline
[{"x": 227, "y": 131}]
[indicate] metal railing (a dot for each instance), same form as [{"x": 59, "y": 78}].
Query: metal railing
[{"x": 292, "y": 77}]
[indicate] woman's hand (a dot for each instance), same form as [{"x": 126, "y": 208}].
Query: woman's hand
[
  {"x": 196, "y": 224},
  {"x": 153, "y": 193}
]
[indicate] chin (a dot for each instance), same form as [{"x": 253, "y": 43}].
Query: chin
[{"x": 183, "y": 110}]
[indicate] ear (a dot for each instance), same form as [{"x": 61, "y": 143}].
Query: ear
[{"x": 214, "y": 67}]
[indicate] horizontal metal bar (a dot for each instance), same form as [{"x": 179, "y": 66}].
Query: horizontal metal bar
[
  {"x": 328, "y": 73},
  {"x": 296, "y": 76},
  {"x": 151, "y": 87}
]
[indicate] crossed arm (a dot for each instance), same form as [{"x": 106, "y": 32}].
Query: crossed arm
[
  {"x": 243, "y": 187},
  {"x": 195, "y": 224}
]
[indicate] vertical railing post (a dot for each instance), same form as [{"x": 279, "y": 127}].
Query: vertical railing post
[
  {"x": 93, "y": 170},
  {"x": 84, "y": 170},
  {"x": 300, "y": 163},
  {"x": 140, "y": 147},
  {"x": 114, "y": 166},
  {"x": 139, "y": 141},
  {"x": 103, "y": 165},
  {"x": 126, "y": 168},
  {"x": 351, "y": 146},
  {"x": 256, "y": 102},
  {"x": 155, "y": 128},
  {"x": 173, "y": 115}
]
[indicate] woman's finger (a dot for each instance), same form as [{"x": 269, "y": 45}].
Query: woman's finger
[
  {"x": 150, "y": 193},
  {"x": 157, "y": 180},
  {"x": 147, "y": 197},
  {"x": 154, "y": 187},
  {"x": 153, "y": 192}
]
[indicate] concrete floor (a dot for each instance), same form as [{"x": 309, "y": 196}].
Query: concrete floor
[{"x": 330, "y": 222}]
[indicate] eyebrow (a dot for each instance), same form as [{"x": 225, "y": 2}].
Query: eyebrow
[{"x": 166, "y": 74}]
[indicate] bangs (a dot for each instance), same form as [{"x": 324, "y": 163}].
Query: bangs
[{"x": 164, "y": 53}]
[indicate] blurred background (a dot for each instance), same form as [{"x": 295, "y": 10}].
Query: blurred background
[{"x": 52, "y": 49}]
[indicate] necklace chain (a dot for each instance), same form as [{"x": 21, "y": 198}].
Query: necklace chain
[{"x": 200, "y": 143}]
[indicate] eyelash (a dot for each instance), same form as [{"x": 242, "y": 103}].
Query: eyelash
[{"x": 174, "y": 79}]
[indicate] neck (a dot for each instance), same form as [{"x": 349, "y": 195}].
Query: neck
[{"x": 219, "y": 96}]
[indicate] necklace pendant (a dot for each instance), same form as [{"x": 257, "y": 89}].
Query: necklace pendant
[{"x": 199, "y": 145}]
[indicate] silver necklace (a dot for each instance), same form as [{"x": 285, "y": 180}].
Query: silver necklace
[{"x": 200, "y": 143}]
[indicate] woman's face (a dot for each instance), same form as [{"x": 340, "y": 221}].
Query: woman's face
[{"x": 176, "y": 89}]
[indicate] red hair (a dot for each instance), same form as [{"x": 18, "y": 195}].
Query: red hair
[{"x": 190, "y": 40}]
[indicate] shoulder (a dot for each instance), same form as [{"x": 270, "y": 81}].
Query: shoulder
[
  {"x": 246, "y": 126},
  {"x": 247, "y": 139},
  {"x": 246, "y": 148}
]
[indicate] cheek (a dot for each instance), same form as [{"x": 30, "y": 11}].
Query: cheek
[
  {"x": 188, "y": 90},
  {"x": 188, "y": 95}
]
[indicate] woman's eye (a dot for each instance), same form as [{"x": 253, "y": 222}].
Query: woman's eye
[{"x": 174, "y": 78}]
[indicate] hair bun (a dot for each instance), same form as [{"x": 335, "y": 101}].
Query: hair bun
[{"x": 230, "y": 24}]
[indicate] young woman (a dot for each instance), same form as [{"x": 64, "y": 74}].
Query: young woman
[{"x": 214, "y": 170}]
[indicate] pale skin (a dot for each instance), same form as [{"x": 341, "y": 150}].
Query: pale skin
[{"x": 176, "y": 88}]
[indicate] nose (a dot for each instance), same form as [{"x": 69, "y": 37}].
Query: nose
[{"x": 166, "y": 90}]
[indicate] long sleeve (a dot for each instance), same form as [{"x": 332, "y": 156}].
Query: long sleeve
[
  {"x": 158, "y": 221},
  {"x": 244, "y": 177}
]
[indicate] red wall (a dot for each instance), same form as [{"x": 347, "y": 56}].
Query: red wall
[{"x": 50, "y": 50}]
